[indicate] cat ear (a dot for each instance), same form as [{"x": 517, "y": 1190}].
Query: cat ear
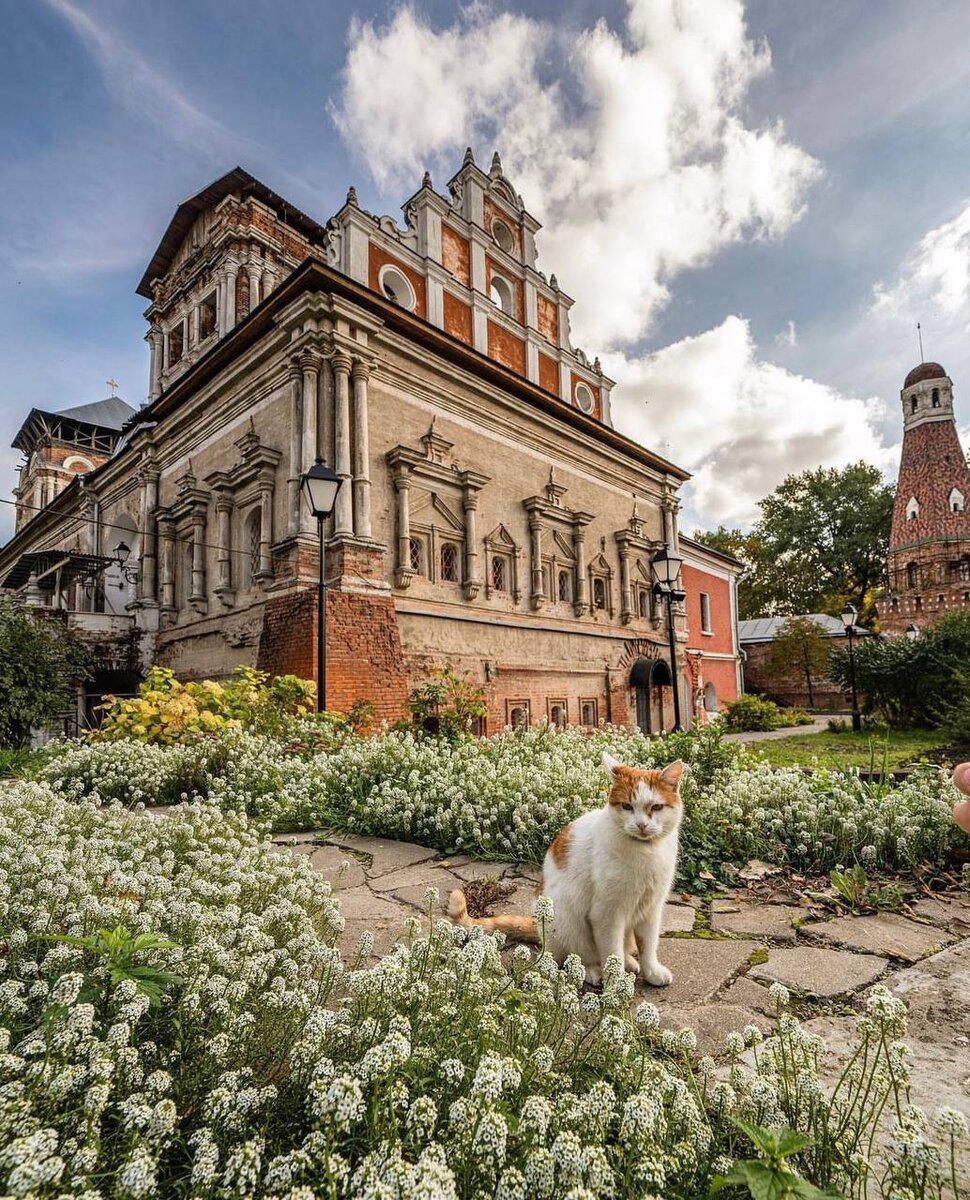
[
  {"x": 609, "y": 764},
  {"x": 672, "y": 774}
]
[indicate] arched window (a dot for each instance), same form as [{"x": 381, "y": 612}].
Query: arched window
[
  {"x": 710, "y": 698},
  {"x": 499, "y": 575},
  {"x": 449, "y": 562},
  {"x": 599, "y": 592},
  {"x": 912, "y": 509},
  {"x": 643, "y": 602},
  {"x": 519, "y": 714},
  {"x": 414, "y": 553},
  {"x": 502, "y": 296},
  {"x": 557, "y": 714},
  {"x": 936, "y": 397},
  {"x": 565, "y": 590},
  {"x": 912, "y": 575},
  {"x": 250, "y": 548},
  {"x": 396, "y": 287},
  {"x": 956, "y": 501},
  {"x": 914, "y": 404}
]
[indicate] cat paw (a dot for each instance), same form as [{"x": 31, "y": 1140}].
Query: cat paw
[
  {"x": 657, "y": 974},
  {"x": 594, "y": 976},
  {"x": 632, "y": 964}
]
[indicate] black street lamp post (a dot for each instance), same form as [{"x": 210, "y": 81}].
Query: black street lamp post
[
  {"x": 666, "y": 570},
  {"x": 320, "y": 486},
  {"x": 849, "y": 615}
]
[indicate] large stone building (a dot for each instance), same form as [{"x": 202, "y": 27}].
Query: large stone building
[
  {"x": 928, "y": 569},
  {"x": 490, "y": 516}
]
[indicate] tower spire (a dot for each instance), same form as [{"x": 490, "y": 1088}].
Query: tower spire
[{"x": 919, "y": 338}]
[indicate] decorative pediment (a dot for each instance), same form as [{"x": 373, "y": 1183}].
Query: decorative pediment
[
  {"x": 599, "y": 566},
  {"x": 257, "y": 463},
  {"x": 500, "y": 538},
  {"x": 563, "y": 546},
  {"x": 427, "y": 504}
]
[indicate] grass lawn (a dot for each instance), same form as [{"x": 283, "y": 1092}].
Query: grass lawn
[{"x": 838, "y": 750}]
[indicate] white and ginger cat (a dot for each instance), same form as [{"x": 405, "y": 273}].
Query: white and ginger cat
[{"x": 608, "y": 874}]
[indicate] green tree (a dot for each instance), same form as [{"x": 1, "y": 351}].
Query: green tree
[
  {"x": 820, "y": 542},
  {"x": 41, "y": 666},
  {"x": 800, "y": 648}
]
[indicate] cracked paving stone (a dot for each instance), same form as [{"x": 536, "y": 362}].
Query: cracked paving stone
[
  {"x": 478, "y": 870},
  {"x": 385, "y": 855},
  {"x": 944, "y": 911},
  {"x": 745, "y": 993},
  {"x": 700, "y": 967},
  {"x": 818, "y": 971},
  {"x": 712, "y": 1023},
  {"x": 886, "y": 933},
  {"x": 429, "y": 874},
  {"x": 677, "y": 918},
  {"x": 360, "y": 904},
  {"x": 756, "y": 920},
  {"x": 328, "y": 860}
]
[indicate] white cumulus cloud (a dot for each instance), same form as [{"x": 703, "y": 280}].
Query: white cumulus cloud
[
  {"x": 936, "y": 273},
  {"x": 632, "y": 146}
]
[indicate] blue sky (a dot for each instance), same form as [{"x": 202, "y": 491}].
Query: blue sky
[{"x": 751, "y": 203}]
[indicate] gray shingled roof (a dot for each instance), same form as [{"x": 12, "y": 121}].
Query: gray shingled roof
[
  {"x": 110, "y": 413},
  {"x": 765, "y": 629}
]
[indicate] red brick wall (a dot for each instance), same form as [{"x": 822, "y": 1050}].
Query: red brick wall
[
  {"x": 721, "y": 639},
  {"x": 547, "y": 319},
  {"x": 455, "y": 256},
  {"x": 548, "y": 373},
  {"x": 377, "y": 258},
  {"x": 458, "y": 318},
  {"x": 365, "y": 660},
  {"x": 506, "y": 348}
]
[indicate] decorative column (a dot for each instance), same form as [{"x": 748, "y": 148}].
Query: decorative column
[
  {"x": 581, "y": 604},
  {"x": 155, "y": 343},
  {"x": 266, "y": 528},
  {"x": 626, "y": 588},
  {"x": 167, "y": 572},
  {"x": 362, "y": 523},
  {"x": 309, "y": 366},
  {"x": 224, "y": 541},
  {"x": 325, "y": 411},
  {"x": 296, "y": 442},
  {"x": 198, "y": 559},
  {"x": 232, "y": 272},
  {"x": 221, "y": 293},
  {"x": 535, "y": 541},
  {"x": 343, "y": 513},
  {"x": 472, "y": 581},
  {"x": 255, "y": 273},
  {"x": 402, "y": 488},
  {"x": 147, "y": 576}
]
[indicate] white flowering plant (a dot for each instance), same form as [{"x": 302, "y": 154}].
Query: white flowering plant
[
  {"x": 269, "y": 1067},
  {"x": 507, "y": 796}
]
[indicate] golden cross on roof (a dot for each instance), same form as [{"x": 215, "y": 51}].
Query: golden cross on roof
[{"x": 113, "y": 384}]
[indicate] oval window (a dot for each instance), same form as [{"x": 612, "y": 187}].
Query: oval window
[
  {"x": 503, "y": 236},
  {"x": 396, "y": 287},
  {"x": 584, "y": 398}
]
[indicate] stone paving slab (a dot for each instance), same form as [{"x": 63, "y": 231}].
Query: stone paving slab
[
  {"x": 884, "y": 933},
  {"x": 937, "y": 993},
  {"x": 678, "y": 918},
  {"x": 427, "y": 874},
  {"x": 746, "y": 993},
  {"x": 943, "y": 911},
  {"x": 819, "y": 971},
  {"x": 701, "y": 967},
  {"x": 470, "y": 871},
  {"x": 361, "y": 904},
  {"x": 329, "y": 862},
  {"x": 772, "y": 921},
  {"x": 385, "y": 855},
  {"x": 712, "y": 1022}
]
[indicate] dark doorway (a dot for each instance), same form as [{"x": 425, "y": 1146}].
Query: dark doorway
[{"x": 649, "y": 677}]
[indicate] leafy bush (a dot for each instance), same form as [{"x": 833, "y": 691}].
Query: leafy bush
[
  {"x": 166, "y": 712},
  {"x": 752, "y": 714},
  {"x": 41, "y": 665},
  {"x": 267, "y": 1067},
  {"x": 446, "y": 705}
]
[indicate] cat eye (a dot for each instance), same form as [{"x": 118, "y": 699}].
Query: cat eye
[
  {"x": 658, "y": 807},
  {"x": 628, "y": 807}
]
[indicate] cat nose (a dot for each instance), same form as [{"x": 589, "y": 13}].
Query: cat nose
[{"x": 642, "y": 826}]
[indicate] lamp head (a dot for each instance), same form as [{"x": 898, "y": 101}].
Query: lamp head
[
  {"x": 122, "y": 553},
  {"x": 912, "y": 632},
  {"x": 665, "y": 566},
  {"x": 848, "y": 615},
  {"x": 320, "y": 485}
]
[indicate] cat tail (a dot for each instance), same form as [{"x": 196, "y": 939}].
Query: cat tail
[{"x": 519, "y": 929}]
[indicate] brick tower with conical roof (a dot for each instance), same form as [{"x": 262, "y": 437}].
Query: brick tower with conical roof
[{"x": 928, "y": 567}]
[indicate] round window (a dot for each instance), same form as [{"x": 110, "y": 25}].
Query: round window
[
  {"x": 503, "y": 236},
  {"x": 396, "y": 287},
  {"x": 584, "y": 398}
]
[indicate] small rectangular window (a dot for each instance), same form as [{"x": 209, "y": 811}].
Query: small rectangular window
[
  {"x": 207, "y": 317},
  {"x": 588, "y": 713},
  {"x": 558, "y": 713},
  {"x": 176, "y": 343},
  {"x": 705, "y": 612},
  {"x": 517, "y": 713}
]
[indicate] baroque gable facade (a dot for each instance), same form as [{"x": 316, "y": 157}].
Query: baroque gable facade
[{"x": 489, "y": 515}]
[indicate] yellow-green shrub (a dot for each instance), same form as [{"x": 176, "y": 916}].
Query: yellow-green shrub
[{"x": 167, "y": 712}]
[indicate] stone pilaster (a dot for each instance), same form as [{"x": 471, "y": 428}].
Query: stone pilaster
[
  {"x": 344, "y": 510},
  {"x": 361, "y": 456}
]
